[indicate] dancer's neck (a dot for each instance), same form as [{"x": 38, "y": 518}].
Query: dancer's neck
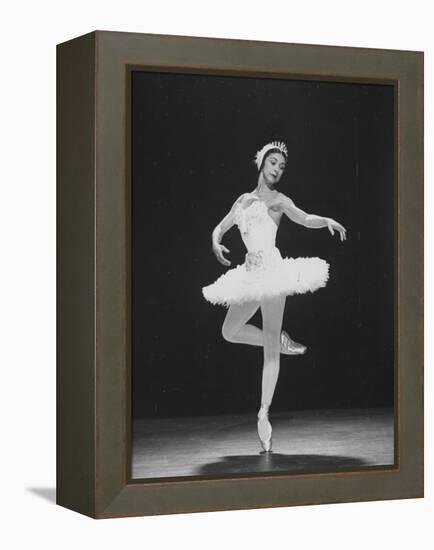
[
  {"x": 264, "y": 191},
  {"x": 264, "y": 188}
]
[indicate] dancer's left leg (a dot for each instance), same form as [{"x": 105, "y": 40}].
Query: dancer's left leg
[{"x": 272, "y": 315}]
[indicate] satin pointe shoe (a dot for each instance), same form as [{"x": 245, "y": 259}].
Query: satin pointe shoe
[
  {"x": 264, "y": 429},
  {"x": 289, "y": 346}
]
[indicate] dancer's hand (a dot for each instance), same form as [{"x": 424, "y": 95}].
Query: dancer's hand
[
  {"x": 333, "y": 226},
  {"x": 218, "y": 250}
]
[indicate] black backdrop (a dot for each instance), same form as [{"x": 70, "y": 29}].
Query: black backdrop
[{"x": 193, "y": 138}]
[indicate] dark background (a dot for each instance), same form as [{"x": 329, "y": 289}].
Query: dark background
[{"x": 193, "y": 142}]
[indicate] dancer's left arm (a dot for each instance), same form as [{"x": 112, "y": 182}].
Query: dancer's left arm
[{"x": 313, "y": 221}]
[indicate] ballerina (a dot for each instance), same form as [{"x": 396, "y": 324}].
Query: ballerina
[{"x": 265, "y": 278}]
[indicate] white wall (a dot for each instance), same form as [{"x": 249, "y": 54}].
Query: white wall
[{"x": 30, "y": 31}]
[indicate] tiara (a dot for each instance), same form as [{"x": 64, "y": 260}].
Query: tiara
[{"x": 259, "y": 157}]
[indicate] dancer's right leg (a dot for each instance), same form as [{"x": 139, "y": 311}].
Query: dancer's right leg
[{"x": 235, "y": 328}]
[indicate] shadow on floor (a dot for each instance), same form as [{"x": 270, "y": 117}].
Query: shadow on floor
[
  {"x": 47, "y": 493},
  {"x": 276, "y": 462}
]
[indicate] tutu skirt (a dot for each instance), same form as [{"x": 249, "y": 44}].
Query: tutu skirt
[{"x": 265, "y": 274}]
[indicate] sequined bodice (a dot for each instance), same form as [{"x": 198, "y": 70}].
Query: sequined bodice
[{"x": 257, "y": 227}]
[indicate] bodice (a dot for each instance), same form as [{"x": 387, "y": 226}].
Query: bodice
[{"x": 258, "y": 229}]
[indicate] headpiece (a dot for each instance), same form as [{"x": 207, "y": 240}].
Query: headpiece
[{"x": 259, "y": 157}]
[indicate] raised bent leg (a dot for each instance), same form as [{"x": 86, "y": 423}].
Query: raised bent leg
[{"x": 235, "y": 328}]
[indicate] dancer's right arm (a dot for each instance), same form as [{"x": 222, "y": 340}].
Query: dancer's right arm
[{"x": 225, "y": 224}]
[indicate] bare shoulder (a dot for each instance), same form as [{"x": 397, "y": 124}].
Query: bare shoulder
[
  {"x": 283, "y": 200},
  {"x": 240, "y": 199}
]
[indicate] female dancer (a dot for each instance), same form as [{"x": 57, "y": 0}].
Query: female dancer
[{"x": 265, "y": 278}]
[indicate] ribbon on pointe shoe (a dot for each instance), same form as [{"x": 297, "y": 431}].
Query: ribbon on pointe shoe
[{"x": 264, "y": 429}]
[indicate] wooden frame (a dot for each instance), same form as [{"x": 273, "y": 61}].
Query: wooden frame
[{"x": 93, "y": 331}]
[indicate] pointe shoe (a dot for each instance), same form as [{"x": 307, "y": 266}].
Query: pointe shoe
[
  {"x": 289, "y": 346},
  {"x": 264, "y": 429}
]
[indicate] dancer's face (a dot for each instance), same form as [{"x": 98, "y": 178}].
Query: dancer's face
[{"x": 274, "y": 166}]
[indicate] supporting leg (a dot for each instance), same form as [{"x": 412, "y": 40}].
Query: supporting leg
[{"x": 272, "y": 315}]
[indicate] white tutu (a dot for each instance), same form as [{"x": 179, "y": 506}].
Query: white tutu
[{"x": 264, "y": 273}]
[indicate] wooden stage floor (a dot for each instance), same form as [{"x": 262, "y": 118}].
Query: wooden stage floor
[{"x": 303, "y": 441}]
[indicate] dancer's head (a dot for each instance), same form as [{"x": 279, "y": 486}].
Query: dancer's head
[{"x": 271, "y": 161}]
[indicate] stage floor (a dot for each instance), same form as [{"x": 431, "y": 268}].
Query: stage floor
[{"x": 303, "y": 441}]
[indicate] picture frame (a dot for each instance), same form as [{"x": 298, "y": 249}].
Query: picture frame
[{"x": 93, "y": 236}]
